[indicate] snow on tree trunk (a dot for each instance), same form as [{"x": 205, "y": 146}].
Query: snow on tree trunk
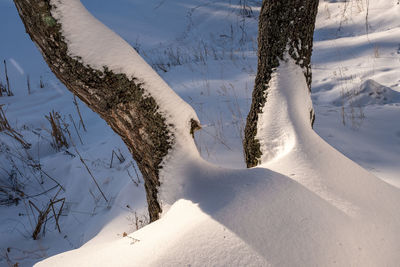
[
  {"x": 115, "y": 82},
  {"x": 285, "y": 27}
]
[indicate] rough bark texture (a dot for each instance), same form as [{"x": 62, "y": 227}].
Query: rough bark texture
[
  {"x": 283, "y": 26},
  {"x": 118, "y": 100}
]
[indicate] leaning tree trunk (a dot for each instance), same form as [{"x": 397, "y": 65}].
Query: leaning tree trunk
[
  {"x": 128, "y": 103},
  {"x": 284, "y": 27}
]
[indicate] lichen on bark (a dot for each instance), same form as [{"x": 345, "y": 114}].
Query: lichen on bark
[
  {"x": 121, "y": 101},
  {"x": 284, "y": 26}
]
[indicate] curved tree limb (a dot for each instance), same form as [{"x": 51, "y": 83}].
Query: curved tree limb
[{"x": 131, "y": 104}]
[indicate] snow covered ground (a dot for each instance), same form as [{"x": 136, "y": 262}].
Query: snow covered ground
[{"x": 206, "y": 51}]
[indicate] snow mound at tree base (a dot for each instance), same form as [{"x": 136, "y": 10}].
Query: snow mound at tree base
[
  {"x": 308, "y": 206},
  {"x": 311, "y": 207},
  {"x": 258, "y": 217}
]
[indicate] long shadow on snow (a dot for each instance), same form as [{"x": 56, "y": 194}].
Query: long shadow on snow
[{"x": 265, "y": 209}]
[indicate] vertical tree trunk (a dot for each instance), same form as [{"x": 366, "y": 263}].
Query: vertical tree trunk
[
  {"x": 284, "y": 26},
  {"x": 123, "y": 102}
]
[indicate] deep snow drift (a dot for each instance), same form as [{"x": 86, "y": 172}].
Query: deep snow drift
[
  {"x": 318, "y": 208},
  {"x": 306, "y": 205},
  {"x": 309, "y": 205}
]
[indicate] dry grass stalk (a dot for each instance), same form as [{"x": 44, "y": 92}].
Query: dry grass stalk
[
  {"x": 120, "y": 157},
  {"x": 8, "y": 130},
  {"x": 376, "y": 51},
  {"x": 86, "y": 166},
  {"x": 41, "y": 83},
  {"x": 9, "y": 93},
  {"x": 3, "y": 89},
  {"x": 9, "y": 262},
  {"x": 43, "y": 214},
  {"x": 10, "y": 195},
  {"x": 79, "y": 113},
  {"x": 76, "y": 129},
  {"x": 28, "y": 84},
  {"x": 91, "y": 175},
  {"x": 137, "y": 175},
  {"x": 57, "y": 133}
]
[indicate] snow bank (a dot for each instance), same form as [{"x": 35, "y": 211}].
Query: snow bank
[
  {"x": 306, "y": 205},
  {"x": 313, "y": 206},
  {"x": 369, "y": 93}
]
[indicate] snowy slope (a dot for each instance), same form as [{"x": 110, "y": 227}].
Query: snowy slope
[
  {"x": 307, "y": 204},
  {"x": 315, "y": 210},
  {"x": 346, "y": 59}
]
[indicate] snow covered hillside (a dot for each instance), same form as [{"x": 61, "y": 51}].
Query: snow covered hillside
[{"x": 307, "y": 204}]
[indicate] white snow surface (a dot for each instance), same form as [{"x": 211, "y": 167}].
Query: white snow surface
[
  {"x": 307, "y": 205},
  {"x": 286, "y": 111},
  {"x": 370, "y": 93}
]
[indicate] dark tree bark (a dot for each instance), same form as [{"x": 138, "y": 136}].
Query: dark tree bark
[
  {"x": 120, "y": 101},
  {"x": 284, "y": 26},
  {"x": 134, "y": 115}
]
